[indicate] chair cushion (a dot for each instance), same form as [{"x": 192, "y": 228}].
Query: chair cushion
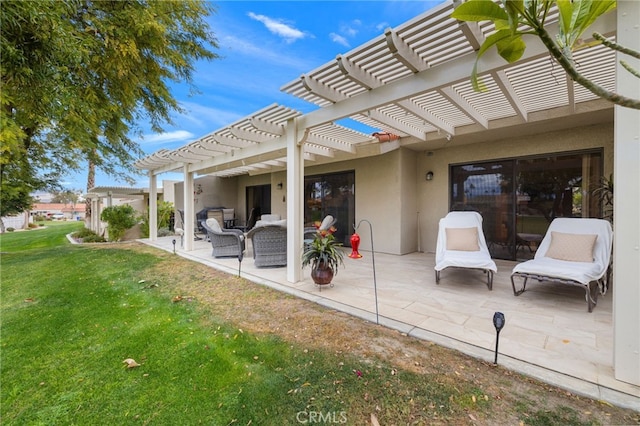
[
  {"x": 462, "y": 239},
  {"x": 571, "y": 247},
  {"x": 326, "y": 222},
  {"x": 213, "y": 224},
  {"x": 282, "y": 222}
]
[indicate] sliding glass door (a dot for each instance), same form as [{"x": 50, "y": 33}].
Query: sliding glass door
[
  {"x": 518, "y": 198},
  {"x": 332, "y": 194}
]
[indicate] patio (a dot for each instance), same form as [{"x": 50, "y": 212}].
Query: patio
[{"x": 549, "y": 335}]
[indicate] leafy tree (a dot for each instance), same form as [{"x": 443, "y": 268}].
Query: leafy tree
[
  {"x": 119, "y": 219},
  {"x": 517, "y": 18},
  {"x": 66, "y": 196},
  {"x": 76, "y": 75}
]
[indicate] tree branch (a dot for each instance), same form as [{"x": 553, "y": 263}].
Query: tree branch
[
  {"x": 594, "y": 88},
  {"x": 615, "y": 46}
]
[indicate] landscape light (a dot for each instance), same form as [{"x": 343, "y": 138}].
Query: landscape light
[{"x": 498, "y": 323}]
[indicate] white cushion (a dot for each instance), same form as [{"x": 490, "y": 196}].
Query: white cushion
[
  {"x": 282, "y": 223},
  {"x": 571, "y": 247},
  {"x": 326, "y": 222},
  {"x": 213, "y": 224}
]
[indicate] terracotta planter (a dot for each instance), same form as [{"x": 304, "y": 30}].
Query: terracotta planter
[{"x": 321, "y": 274}]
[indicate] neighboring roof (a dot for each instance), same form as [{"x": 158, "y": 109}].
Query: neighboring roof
[
  {"x": 58, "y": 207},
  {"x": 412, "y": 81}
]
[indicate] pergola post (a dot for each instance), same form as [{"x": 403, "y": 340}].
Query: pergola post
[
  {"x": 153, "y": 207},
  {"x": 189, "y": 214},
  {"x": 295, "y": 200},
  {"x": 626, "y": 251}
]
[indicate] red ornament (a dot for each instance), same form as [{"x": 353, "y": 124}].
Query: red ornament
[{"x": 355, "y": 242}]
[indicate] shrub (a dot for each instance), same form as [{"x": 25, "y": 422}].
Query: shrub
[
  {"x": 10, "y": 229},
  {"x": 164, "y": 232},
  {"x": 119, "y": 219},
  {"x": 33, "y": 225},
  {"x": 165, "y": 210},
  {"x": 88, "y": 236},
  {"x": 83, "y": 233},
  {"x": 95, "y": 238}
]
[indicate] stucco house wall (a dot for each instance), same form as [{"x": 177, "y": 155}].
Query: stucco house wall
[
  {"x": 434, "y": 200},
  {"x": 391, "y": 190},
  {"x": 216, "y": 192}
]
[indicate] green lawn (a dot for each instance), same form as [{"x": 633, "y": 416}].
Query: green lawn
[{"x": 71, "y": 314}]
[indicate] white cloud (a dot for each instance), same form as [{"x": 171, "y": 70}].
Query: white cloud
[
  {"x": 337, "y": 38},
  {"x": 382, "y": 26},
  {"x": 206, "y": 117},
  {"x": 166, "y": 137},
  {"x": 263, "y": 53},
  {"x": 279, "y": 28}
]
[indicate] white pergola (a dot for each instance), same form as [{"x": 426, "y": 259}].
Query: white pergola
[{"x": 413, "y": 82}]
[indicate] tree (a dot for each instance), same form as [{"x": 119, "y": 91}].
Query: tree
[
  {"x": 66, "y": 196},
  {"x": 517, "y": 18},
  {"x": 77, "y": 75}
]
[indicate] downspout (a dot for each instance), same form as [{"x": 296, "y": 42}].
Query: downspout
[{"x": 385, "y": 136}]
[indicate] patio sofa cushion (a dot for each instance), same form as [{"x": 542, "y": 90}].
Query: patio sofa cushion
[{"x": 572, "y": 247}]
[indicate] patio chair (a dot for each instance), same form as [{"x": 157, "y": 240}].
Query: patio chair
[
  {"x": 461, "y": 244},
  {"x": 196, "y": 237},
  {"x": 251, "y": 221},
  {"x": 225, "y": 242},
  {"x": 269, "y": 245},
  {"x": 574, "y": 251}
]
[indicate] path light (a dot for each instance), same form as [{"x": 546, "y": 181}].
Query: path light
[
  {"x": 498, "y": 323},
  {"x": 174, "y": 245},
  {"x": 355, "y": 242}
]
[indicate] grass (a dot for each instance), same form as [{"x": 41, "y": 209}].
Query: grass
[{"x": 216, "y": 349}]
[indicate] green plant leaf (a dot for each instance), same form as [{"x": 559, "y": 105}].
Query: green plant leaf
[
  {"x": 479, "y": 10},
  {"x": 576, "y": 16},
  {"x": 510, "y": 47},
  {"x": 514, "y": 9}
]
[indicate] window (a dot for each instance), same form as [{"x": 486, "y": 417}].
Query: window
[
  {"x": 332, "y": 194},
  {"x": 518, "y": 198}
]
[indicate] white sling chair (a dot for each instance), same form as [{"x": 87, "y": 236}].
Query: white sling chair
[
  {"x": 461, "y": 244},
  {"x": 574, "y": 251}
]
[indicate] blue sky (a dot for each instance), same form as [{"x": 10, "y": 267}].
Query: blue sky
[{"x": 262, "y": 46}]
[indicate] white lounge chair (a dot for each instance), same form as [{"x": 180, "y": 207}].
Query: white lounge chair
[
  {"x": 461, "y": 244},
  {"x": 574, "y": 251}
]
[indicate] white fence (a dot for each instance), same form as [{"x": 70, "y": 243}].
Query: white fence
[{"x": 15, "y": 222}]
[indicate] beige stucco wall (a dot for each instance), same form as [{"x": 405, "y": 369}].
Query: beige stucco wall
[
  {"x": 434, "y": 199},
  {"x": 391, "y": 190},
  {"x": 216, "y": 192},
  {"x": 385, "y": 193}
]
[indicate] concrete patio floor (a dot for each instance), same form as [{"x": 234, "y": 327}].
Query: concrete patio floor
[{"x": 549, "y": 335}]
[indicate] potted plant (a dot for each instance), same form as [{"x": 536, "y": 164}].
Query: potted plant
[{"x": 323, "y": 254}]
